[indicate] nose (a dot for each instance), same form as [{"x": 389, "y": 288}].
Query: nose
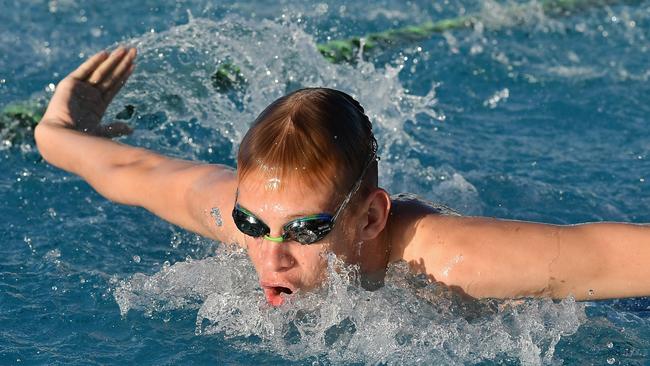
[{"x": 276, "y": 256}]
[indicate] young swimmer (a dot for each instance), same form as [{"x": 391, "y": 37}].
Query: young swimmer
[{"x": 306, "y": 184}]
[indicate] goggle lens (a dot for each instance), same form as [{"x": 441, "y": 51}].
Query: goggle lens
[
  {"x": 305, "y": 230},
  {"x": 249, "y": 224},
  {"x": 308, "y": 230}
]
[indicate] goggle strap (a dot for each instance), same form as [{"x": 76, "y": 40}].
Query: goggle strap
[{"x": 357, "y": 185}]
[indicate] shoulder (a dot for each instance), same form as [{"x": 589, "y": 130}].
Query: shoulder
[
  {"x": 415, "y": 223},
  {"x": 411, "y": 202},
  {"x": 430, "y": 237}
]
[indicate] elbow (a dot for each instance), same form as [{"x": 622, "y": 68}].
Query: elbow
[
  {"x": 38, "y": 137},
  {"x": 41, "y": 132},
  {"x": 43, "y": 136}
]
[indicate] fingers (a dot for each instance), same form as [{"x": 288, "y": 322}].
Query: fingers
[
  {"x": 120, "y": 70},
  {"x": 106, "y": 68},
  {"x": 85, "y": 69},
  {"x": 117, "y": 84}
]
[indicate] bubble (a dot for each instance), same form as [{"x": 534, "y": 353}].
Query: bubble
[
  {"x": 136, "y": 258},
  {"x": 611, "y": 360}
]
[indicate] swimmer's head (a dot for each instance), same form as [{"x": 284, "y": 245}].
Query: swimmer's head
[
  {"x": 302, "y": 156},
  {"x": 314, "y": 135}
]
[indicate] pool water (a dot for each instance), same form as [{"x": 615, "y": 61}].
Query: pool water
[{"x": 526, "y": 115}]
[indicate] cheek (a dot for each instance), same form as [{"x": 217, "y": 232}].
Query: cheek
[
  {"x": 310, "y": 256},
  {"x": 254, "y": 251},
  {"x": 312, "y": 262},
  {"x": 342, "y": 244}
]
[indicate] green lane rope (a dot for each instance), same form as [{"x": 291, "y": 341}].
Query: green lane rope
[
  {"x": 346, "y": 50},
  {"x": 17, "y": 120}
]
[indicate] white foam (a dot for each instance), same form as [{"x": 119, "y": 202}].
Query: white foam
[{"x": 407, "y": 321}]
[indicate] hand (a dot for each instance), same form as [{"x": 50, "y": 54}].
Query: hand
[{"x": 80, "y": 100}]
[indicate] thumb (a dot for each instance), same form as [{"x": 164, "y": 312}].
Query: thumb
[{"x": 114, "y": 129}]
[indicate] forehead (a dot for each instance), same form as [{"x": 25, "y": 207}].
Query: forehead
[{"x": 281, "y": 197}]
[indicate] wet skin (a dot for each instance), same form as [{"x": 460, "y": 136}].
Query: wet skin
[
  {"x": 483, "y": 257},
  {"x": 290, "y": 265}
]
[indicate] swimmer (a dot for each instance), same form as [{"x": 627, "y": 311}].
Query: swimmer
[{"x": 306, "y": 184}]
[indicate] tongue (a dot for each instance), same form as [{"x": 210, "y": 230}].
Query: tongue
[{"x": 273, "y": 296}]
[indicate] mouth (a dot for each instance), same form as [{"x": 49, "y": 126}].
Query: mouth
[{"x": 275, "y": 293}]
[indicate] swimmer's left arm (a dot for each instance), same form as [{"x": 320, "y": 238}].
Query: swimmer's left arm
[{"x": 508, "y": 259}]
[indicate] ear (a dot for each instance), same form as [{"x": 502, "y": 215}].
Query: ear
[{"x": 375, "y": 215}]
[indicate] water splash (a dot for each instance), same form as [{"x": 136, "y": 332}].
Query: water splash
[
  {"x": 175, "y": 69},
  {"x": 409, "y": 320}
]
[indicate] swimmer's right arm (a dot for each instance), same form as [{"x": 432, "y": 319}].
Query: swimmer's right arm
[{"x": 71, "y": 137}]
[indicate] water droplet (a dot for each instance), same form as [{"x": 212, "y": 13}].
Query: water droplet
[
  {"x": 136, "y": 258},
  {"x": 52, "y": 6},
  {"x": 216, "y": 215},
  {"x": 611, "y": 360},
  {"x": 610, "y": 345},
  {"x": 51, "y": 212},
  {"x": 175, "y": 241}
]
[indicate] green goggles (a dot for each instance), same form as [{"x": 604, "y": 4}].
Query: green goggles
[{"x": 304, "y": 230}]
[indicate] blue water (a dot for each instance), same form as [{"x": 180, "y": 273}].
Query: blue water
[{"x": 526, "y": 116}]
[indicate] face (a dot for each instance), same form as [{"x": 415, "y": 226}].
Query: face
[{"x": 286, "y": 267}]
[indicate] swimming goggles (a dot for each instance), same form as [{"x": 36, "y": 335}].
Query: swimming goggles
[{"x": 304, "y": 230}]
